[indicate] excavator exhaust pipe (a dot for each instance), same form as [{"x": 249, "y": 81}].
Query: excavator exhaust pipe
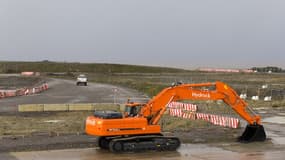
[{"x": 253, "y": 133}]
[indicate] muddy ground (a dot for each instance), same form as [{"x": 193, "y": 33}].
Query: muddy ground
[
  {"x": 52, "y": 141},
  {"x": 62, "y": 130}
]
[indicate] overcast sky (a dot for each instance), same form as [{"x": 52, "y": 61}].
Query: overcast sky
[{"x": 179, "y": 33}]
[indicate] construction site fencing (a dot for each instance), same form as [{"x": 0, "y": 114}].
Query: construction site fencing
[{"x": 216, "y": 116}]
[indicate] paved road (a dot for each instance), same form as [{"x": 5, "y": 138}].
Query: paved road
[{"x": 65, "y": 91}]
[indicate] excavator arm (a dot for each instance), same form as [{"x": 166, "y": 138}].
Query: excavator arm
[
  {"x": 219, "y": 91},
  {"x": 155, "y": 108}
]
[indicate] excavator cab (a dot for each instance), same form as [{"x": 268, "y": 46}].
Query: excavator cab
[{"x": 132, "y": 109}]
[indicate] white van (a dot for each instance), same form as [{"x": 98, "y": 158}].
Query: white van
[{"x": 81, "y": 79}]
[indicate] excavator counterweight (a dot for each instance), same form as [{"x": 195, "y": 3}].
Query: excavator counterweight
[{"x": 138, "y": 129}]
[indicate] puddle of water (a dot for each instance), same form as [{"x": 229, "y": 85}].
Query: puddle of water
[
  {"x": 275, "y": 138},
  {"x": 185, "y": 152},
  {"x": 275, "y": 119},
  {"x": 262, "y": 112},
  {"x": 261, "y": 108},
  {"x": 53, "y": 121},
  {"x": 278, "y": 140}
]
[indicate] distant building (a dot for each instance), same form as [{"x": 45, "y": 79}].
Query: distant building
[{"x": 226, "y": 70}]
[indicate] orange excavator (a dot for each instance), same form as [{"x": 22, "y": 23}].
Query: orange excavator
[{"x": 138, "y": 127}]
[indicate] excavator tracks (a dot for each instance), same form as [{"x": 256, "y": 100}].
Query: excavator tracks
[{"x": 139, "y": 143}]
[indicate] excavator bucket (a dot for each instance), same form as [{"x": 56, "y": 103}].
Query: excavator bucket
[{"x": 253, "y": 133}]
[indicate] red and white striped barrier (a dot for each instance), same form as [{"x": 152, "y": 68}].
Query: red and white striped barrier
[
  {"x": 26, "y": 92},
  {"x": 224, "y": 121},
  {"x": 38, "y": 89},
  {"x": 178, "y": 109},
  {"x": 7, "y": 93},
  {"x": 234, "y": 122},
  {"x": 203, "y": 116},
  {"x": 23, "y": 91},
  {"x": 179, "y": 113},
  {"x": 190, "y": 107},
  {"x": 214, "y": 119},
  {"x": 184, "y": 106},
  {"x": 20, "y": 92},
  {"x": 45, "y": 86},
  {"x": 175, "y": 112},
  {"x": 175, "y": 105},
  {"x": 191, "y": 116},
  {"x": 2, "y": 95}
]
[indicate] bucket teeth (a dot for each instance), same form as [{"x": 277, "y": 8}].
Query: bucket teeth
[{"x": 253, "y": 133}]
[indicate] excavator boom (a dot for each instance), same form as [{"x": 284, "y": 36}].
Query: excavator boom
[{"x": 220, "y": 91}]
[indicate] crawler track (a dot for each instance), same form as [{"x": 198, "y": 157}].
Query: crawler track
[{"x": 139, "y": 143}]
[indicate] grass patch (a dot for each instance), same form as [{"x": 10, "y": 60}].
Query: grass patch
[
  {"x": 14, "y": 82},
  {"x": 153, "y": 83},
  {"x": 28, "y": 123},
  {"x": 47, "y": 66},
  {"x": 172, "y": 124},
  {"x": 58, "y": 122}
]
